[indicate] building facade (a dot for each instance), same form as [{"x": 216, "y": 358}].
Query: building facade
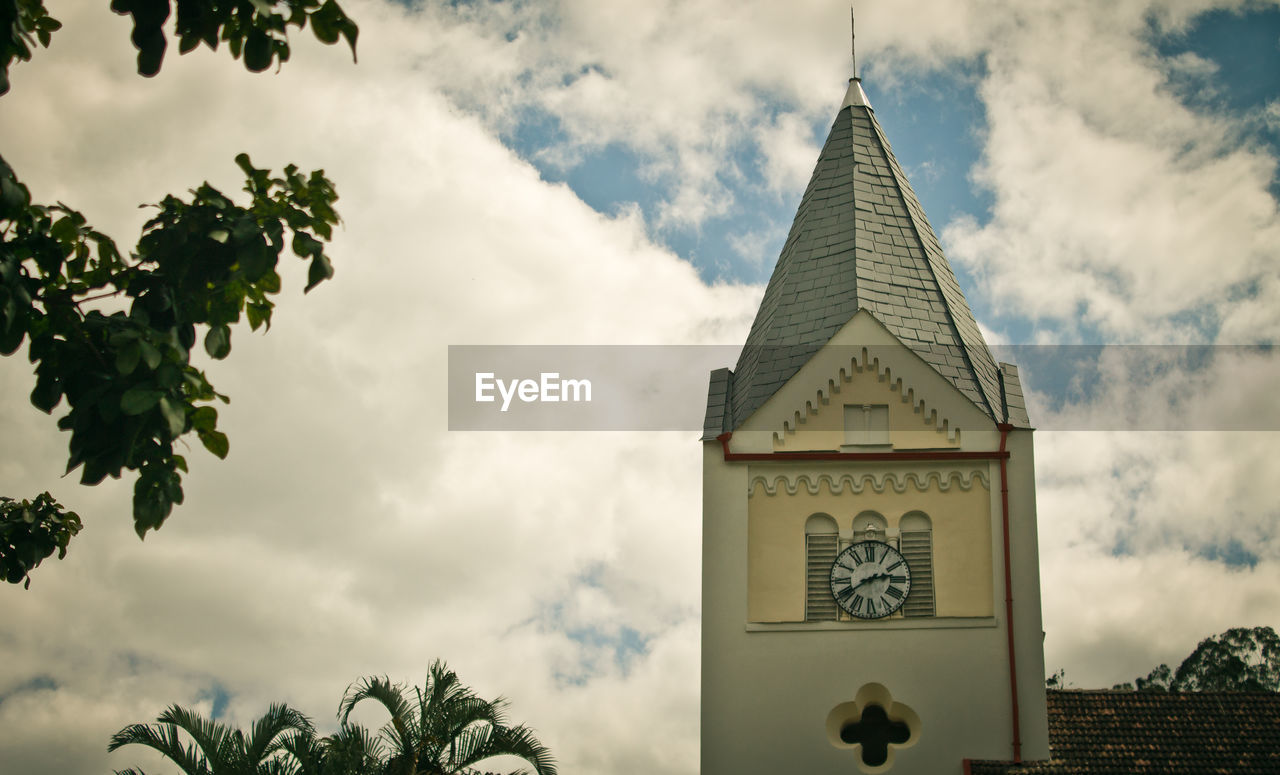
[{"x": 870, "y": 590}]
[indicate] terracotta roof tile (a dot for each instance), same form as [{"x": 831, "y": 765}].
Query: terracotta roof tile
[{"x": 1127, "y": 733}]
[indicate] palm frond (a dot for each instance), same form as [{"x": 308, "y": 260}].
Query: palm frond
[
  {"x": 355, "y": 738},
  {"x": 353, "y": 750},
  {"x": 468, "y": 747},
  {"x": 479, "y": 743},
  {"x": 214, "y": 739},
  {"x": 401, "y": 731},
  {"x": 163, "y": 738},
  {"x": 280, "y": 765},
  {"x": 264, "y": 738},
  {"x": 442, "y": 728},
  {"x": 520, "y": 741},
  {"x": 307, "y": 751}
]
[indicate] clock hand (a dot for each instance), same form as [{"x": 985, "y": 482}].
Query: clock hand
[{"x": 873, "y": 577}]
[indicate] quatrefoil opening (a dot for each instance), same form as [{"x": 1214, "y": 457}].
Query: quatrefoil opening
[{"x": 874, "y": 726}]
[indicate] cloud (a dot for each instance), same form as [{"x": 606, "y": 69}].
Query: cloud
[
  {"x": 686, "y": 86},
  {"x": 349, "y": 533},
  {"x": 1112, "y": 199}
]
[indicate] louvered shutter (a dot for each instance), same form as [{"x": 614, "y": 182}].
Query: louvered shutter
[
  {"x": 917, "y": 548},
  {"x": 820, "y": 553}
]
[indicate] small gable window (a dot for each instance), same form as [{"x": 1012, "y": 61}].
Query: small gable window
[{"x": 866, "y": 424}]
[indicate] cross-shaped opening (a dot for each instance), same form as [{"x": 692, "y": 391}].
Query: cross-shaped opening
[{"x": 875, "y": 732}]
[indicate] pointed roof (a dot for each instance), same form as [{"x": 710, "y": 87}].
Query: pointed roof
[{"x": 860, "y": 240}]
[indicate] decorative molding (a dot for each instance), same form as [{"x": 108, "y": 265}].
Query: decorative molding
[
  {"x": 879, "y": 482},
  {"x": 913, "y": 623},
  {"x": 857, "y": 365}
]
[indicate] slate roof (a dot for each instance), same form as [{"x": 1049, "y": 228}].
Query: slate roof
[
  {"x": 1144, "y": 733},
  {"x": 860, "y": 240}
]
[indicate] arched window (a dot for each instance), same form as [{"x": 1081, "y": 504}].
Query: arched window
[
  {"x": 915, "y": 541},
  {"x": 870, "y": 525},
  {"x": 821, "y": 542}
]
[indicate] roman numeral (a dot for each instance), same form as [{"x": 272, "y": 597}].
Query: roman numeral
[
  {"x": 894, "y": 592},
  {"x": 871, "y": 607},
  {"x": 844, "y": 594},
  {"x": 857, "y": 601},
  {"x": 897, "y": 579},
  {"x": 897, "y": 564},
  {"x": 870, "y": 552}
]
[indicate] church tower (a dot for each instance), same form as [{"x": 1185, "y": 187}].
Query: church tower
[{"x": 870, "y": 583}]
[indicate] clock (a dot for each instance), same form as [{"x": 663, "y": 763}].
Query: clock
[{"x": 870, "y": 579}]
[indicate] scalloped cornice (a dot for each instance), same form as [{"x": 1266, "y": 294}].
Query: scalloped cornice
[{"x": 856, "y": 484}]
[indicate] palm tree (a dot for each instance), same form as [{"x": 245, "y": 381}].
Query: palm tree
[
  {"x": 445, "y": 729},
  {"x": 352, "y": 750},
  {"x": 215, "y": 748}
]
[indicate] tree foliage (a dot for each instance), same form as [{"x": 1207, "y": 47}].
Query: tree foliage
[
  {"x": 444, "y": 729},
  {"x": 215, "y": 748},
  {"x": 30, "y": 531},
  {"x": 255, "y": 31},
  {"x": 1057, "y": 681},
  {"x": 1241, "y": 659},
  {"x": 111, "y": 334},
  {"x": 130, "y": 388},
  {"x": 22, "y": 23}
]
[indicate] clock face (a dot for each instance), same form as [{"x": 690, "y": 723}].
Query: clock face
[{"x": 870, "y": 579}]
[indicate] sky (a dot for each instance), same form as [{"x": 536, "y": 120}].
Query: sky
[{"x": 565, "y": 173}]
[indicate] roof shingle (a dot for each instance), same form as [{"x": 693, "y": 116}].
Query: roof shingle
[
  {"x": 1144, "y": 733},
  {"x": 860, "y": 240}
]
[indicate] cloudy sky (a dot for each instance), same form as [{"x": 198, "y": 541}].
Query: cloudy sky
[{"x": 624, "y": 173}]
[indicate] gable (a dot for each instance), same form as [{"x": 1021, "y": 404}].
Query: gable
[
  {"x": 860, "y": 240},
  {"x": 865, "y": 374}
]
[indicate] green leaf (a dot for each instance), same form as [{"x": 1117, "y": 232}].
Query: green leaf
[
  {"x": 173, "y": 416},
  {"x": 257, "y": 51},
  {"x": 11, "y": 339},
  {"x": 258, "y": 314},
  {"x": 150, "y": 354},
  {"x": 305, "y": 246},
  {"x": 47, "y": 393},
  {"x": 127, "y": 358},
  {"x": 204, "y": 418},
  {"x": 64, "y": 230},
  {"x": 216, "y": 442},
  {"x": 245, "y": 165},
  {"x": 218, "y": 342},
  {"x": 270, "y": 282},
  {"x": 137, "y": 400},
  {"x": 256, "y": 259},
  {"x": 324, "y": 25},
  {"x": 319, "y": 271},
  {"x": 168, "y": 376}
]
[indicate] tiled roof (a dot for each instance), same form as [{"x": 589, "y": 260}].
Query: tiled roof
[
  {"x": 1137, "y": 733},
  {"x": 860, "y": 240}
]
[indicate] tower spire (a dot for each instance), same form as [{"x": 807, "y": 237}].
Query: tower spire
[
  {"x": 853, "y": 44},
  {"x": 855, "y": 95}
]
